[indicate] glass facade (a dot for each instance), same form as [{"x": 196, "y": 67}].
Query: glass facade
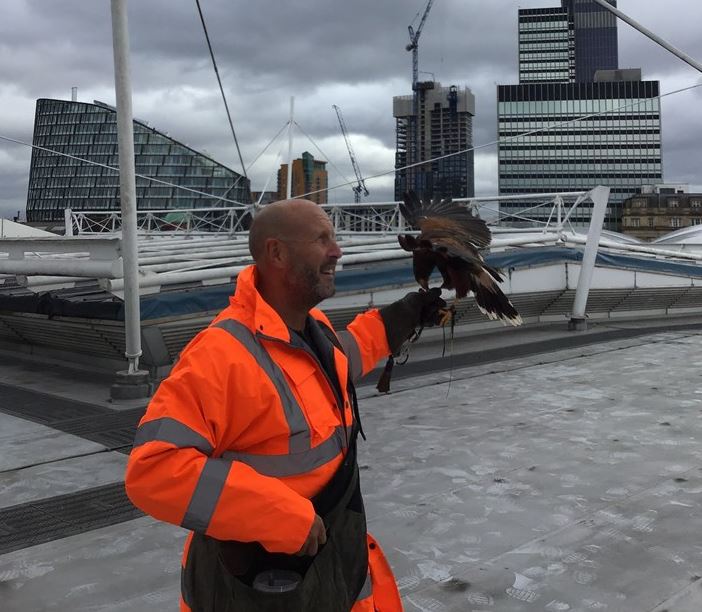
[
  {"x": 595, "y": 43},
  {"x": 445, "y": 126},
  {"x": 89, "y": 131},
  {"x": 546, "y": 46},
  {"x": 567, "y": 43},
  {"x": 621, "y": 148},
  {"x": 560, "y": 51}
]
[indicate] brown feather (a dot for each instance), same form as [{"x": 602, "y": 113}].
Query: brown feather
[{"x": 450, "y": 239}]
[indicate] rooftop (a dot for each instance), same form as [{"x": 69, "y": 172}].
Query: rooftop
[{"x": 502, "y": 478}]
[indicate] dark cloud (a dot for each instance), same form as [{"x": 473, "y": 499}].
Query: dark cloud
[{"x": 323, "y": 52}]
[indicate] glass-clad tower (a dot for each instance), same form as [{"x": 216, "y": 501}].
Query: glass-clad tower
[
  {"x": 568, "y": 61},
  {"x": 546, "y": 45},
  {"x": 89, "y": 131},
  {"x": 567, "y": 43},
  {"x": 595, "y": 38},
  {"x": 620, "y": 146}
]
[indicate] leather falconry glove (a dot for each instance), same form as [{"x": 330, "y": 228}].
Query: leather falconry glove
[{"x": 416, "y": 309}]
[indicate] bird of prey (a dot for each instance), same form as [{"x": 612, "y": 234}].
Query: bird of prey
[{"x": 450, "y": 239}]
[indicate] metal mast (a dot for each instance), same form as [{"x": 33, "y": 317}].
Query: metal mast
[
  {"x": 414, "y": 47},
  {"x": 654, "y": 37},
  {"x": 360, "y": 187}
]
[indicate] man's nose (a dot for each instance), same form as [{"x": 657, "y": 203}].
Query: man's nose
[{"x": 335, "y": 250}]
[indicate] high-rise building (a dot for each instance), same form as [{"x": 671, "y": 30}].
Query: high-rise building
[
  {"x": 546, "y": 45},
  {"x": 567, "y": 43},
  {"x": 309, "y": 176},
  {"x": 588, "y": 123},
  {"x": 595, "y": 37},
  {"x": 618, "y": 143},
  {"x": 444, "y": 125},
  {"x": 89, "y": 131}
]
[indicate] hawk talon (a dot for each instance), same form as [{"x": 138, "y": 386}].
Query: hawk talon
[{"x": 446, "y": 315}]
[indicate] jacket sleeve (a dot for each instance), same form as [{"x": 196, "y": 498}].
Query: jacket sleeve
[
  {"x": 365, "y": 342},
  {"x": 175, "y": 474}
]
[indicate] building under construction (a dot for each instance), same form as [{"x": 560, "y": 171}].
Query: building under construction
[{"x": 443, "y": 125}]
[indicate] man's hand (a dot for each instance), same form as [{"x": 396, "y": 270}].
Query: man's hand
[
  {"x": 316, "y": 538},
  {"x": 415, "y": 309}
]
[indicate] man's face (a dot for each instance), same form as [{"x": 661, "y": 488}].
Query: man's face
[{"x": 313, "y": 256}]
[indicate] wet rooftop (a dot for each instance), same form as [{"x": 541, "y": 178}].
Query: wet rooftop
[{"x": 568, "y": 478}]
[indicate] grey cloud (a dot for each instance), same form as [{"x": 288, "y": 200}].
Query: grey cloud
[{"x": 322, "y": 51}]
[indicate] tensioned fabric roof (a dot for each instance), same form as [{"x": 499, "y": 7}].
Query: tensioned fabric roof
[
  {"x": 685, "y": 235},
  {"x": 381, "y": 275}
]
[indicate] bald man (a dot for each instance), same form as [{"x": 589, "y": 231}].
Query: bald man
[{"x": 250, "y": 443}]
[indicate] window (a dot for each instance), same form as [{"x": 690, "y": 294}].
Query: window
[
  {"x": 675, "y": 222},
  {"x": 673, "y": 203},
  {"x": 696, "y": 221},
  {"x": 635, "y": 222},
  {"x": 650, "y": 222},
  {"x": 695, "y": 203}
]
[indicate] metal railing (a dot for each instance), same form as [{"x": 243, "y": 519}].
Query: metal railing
[
  {"x": 229, "y": 220},
  {"x": 347, "y": 218}
]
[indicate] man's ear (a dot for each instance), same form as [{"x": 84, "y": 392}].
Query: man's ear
[{"x": 276, "y": 252}]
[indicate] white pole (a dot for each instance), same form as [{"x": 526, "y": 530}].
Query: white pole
[
  {"x": 127, "y": 183},
  {"x": 600, "y": 198},
  {"x": 68, "y": 221},
  {"x": 290, "y": 148},
  {"x": 654, "y": 37}
]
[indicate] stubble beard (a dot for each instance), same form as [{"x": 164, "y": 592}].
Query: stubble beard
[{"x": 310, "y": 286}]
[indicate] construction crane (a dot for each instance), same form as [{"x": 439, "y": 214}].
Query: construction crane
[
  {"x": 413, "y": 46},
  {"x": 360, "y": 186}
]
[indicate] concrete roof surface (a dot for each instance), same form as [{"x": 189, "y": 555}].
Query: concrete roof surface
[{"x": 563, "y": 481}]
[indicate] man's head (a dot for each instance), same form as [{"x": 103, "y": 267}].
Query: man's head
[{"x": 293, "y": 245}]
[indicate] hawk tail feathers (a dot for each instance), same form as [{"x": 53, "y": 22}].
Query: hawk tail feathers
[{"x": 496, "y": 305}]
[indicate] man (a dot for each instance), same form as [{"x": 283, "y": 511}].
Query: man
[{"x": 250, "y": 443}]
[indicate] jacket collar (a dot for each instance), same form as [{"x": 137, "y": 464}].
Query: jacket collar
[{"x": 255, "y": 311}]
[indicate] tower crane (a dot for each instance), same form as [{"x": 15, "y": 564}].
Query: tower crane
[
  {"x": 360, "y": 187},
  {"x": 413, "y": 46}
]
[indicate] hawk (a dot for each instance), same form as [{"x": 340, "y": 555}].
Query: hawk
[{"x": 450, "y": 239}]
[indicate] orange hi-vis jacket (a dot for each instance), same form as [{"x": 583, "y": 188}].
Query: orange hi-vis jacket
[{"x": 247, "y": 429}]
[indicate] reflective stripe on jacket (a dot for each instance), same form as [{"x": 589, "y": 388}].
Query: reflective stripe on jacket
[{"x": 247, "y": 428}]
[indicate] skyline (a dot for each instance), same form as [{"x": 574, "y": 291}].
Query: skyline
[{"x": 333, "y": 54}]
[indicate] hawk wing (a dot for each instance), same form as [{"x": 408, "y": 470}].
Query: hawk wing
[
  {"x": 444, "y": 220},
  {"x": 451, "y": 238}
]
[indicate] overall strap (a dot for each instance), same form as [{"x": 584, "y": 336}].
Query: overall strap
[{"x": 331, "y": 335}]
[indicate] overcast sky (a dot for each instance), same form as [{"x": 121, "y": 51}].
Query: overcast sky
[{"x": 323, "y": 52}]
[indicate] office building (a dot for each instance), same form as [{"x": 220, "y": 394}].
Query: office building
[
  {"x": 567, "y": 43},
  {"x": 89, "y": 132},
  {"x": 309, "y": 179},
  {"x": 546, "y": 45},
  {"x": 588, "y": 123},
  {"x": 595, "y": 44},
  {"x": 617, "y": 142},
  {"x": 443, "y": 126}
]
